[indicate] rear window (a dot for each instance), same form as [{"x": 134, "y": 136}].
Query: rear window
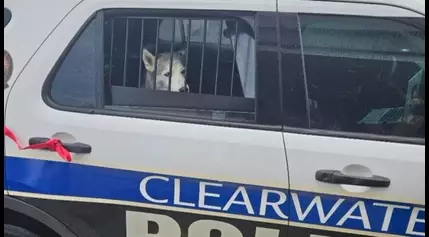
[{"x": 7, "y": 16}]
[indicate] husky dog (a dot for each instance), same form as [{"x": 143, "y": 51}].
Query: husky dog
[{"x": 178, "y": 70}]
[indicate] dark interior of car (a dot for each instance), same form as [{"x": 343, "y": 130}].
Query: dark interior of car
[
  {"x": 131, "y": 51},
  {"x": 347, "y": 89}
]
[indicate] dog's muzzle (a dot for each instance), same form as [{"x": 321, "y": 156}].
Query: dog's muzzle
[{"x": 184, "y": 89}]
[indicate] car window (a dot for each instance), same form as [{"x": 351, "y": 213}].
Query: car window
[
  {"x": 212, "y": 75},
  {"x": 365, "y": 74},
  {"x": 75, "y": 80}
]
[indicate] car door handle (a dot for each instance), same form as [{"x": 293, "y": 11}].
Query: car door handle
[
  {"x": 77, "y": 147},
  {"x": 337, "y": 177}
]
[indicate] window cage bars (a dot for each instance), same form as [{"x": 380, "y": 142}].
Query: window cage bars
[{"x": 185, "y": 39}]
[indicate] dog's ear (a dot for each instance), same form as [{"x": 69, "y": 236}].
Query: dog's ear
[
  {"x": 149, "y": 60},
  {"x": 182, "y": 52}
]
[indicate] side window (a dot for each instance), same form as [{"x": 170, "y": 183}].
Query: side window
[
  {"x": 76, "y": 78},
  {"x": 177, "y": 64},
  {"x": 364, "y": 74}
]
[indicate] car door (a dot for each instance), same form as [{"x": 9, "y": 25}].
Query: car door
[
  {"x": 189, "y": 172},
  {"x": 353, "y": 98}
]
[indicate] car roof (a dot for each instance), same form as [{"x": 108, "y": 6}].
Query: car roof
[{"x": 416, "y": 6}]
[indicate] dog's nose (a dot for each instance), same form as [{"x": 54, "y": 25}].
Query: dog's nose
[{"x": 184, "y": 89}]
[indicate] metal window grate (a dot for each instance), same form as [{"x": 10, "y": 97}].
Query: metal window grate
[{"x": 209, "y": 60}]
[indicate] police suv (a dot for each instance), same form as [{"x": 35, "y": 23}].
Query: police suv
[{"x": 221, "y": 118}]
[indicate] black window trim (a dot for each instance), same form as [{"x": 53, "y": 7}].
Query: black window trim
[
  {"x": 122, "y": 96},
  {"x": 150, "y": 114},
  {"x": 355, "y": 135},
  {"x": 344, "y": 134}
]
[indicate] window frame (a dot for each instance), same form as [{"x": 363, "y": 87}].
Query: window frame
[
  {"x": 331, "y": 133},
  {"x": 147, "y": 113}
]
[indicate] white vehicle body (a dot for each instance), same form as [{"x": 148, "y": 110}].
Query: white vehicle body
[{"x": 191, "y": 177}]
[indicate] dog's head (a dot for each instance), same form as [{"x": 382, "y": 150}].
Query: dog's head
[{"x": 178, "y": 69}]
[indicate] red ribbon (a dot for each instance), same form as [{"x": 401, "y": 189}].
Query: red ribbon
[{"x": 52, "y": 144}]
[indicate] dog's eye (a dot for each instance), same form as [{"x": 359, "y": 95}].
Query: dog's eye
[
  {"x": 183, "y": 71},
  {"x": 167, "y": 74}
]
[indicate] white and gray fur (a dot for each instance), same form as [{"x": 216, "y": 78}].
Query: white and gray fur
[{"x": 178, "y": 70}]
